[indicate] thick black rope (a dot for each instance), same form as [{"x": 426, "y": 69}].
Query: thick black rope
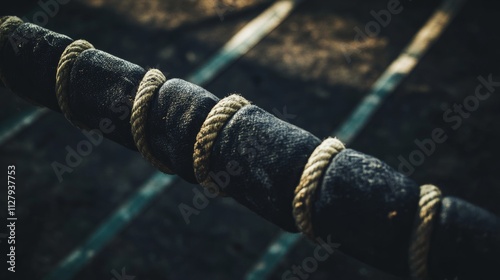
[{"x": 291, "y": 177}]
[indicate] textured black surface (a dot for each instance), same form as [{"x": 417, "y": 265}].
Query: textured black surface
[
  {"x": 364, "y": 204},
  {"x": 466, "y": 242},
  {"x": 29, "y": 60},
  {"x": 369, "y": 207},
  {"x": 271, "y": 154},
  {"x": 101, "y": 93},
  {"x": 176, "y": 117}
]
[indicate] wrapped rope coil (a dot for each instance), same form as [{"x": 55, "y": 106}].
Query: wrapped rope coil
[{"x": 285, "y": 174}]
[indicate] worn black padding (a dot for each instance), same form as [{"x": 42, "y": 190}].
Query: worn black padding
[
  {"x": 361, "y": 203},
  {"x": 176, "y": 116},
  {"x": 271, "y": 154},
  {"x": 369, "y": 207},
  {"x": 465, "y": 243},
  {"x": 29, "y": 62},
  {"x": 108, "y": 85}
]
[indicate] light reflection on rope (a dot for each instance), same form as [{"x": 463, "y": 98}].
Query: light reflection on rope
[
  {"x": 236, "y": 47},
  {"x": 356, "y": 121}
]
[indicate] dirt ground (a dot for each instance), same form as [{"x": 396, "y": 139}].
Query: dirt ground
[{"x": 301, "y": 65}]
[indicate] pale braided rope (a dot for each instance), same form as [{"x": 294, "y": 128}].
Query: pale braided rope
[
  {"x": 428, "y": 206},
  {"x": 66, "y": 62},
  {"x": 309, "y": 181},
  {"x": 430, "y": 196},
  {"x": 151, "y": 82},
  {"x": 8, "y": 25},
  {"x": 218, "y": 116}
]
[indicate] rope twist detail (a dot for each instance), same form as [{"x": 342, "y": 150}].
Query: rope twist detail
[
  {"x": 221, "y": 113},
  {"x": 428, "y": 206},
  {"x": 309, "y": 181},
  {"x": 64, "y": 67},
  {"x": 218, "y": 116},
  {"x": 151, "y": 82}
]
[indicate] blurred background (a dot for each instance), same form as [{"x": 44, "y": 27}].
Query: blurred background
[{"x": 312, "y": 65}]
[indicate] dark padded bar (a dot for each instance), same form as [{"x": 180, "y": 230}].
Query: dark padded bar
[
  {"x": 258, "y": 159},
  {"x": 465, "y": 243},
  {"x": 369, "y": 207},
  {"x": 271, "y": 154},
  {"x": 29, "y": 60},
  {"x": 176, "y": 117},
  {"x": 101, "y": 92}
]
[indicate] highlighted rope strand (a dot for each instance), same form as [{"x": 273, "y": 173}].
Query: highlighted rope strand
[
  {"x": 74, "y": 262},
  {"x": 66, "y": 62},
  {"x": 16, "y": 124},
  {"x": 356, "y": 121},
  {"x": 149, "y": 85}
]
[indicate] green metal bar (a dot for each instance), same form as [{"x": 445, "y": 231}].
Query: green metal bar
[
  {"x": 356, "y": 121},
  {"x": 19, "y": 122},
  {"x": 112, "y": 226},
  {"x": 245, "y": 39},
  {"x": 240, "y": 44}
]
